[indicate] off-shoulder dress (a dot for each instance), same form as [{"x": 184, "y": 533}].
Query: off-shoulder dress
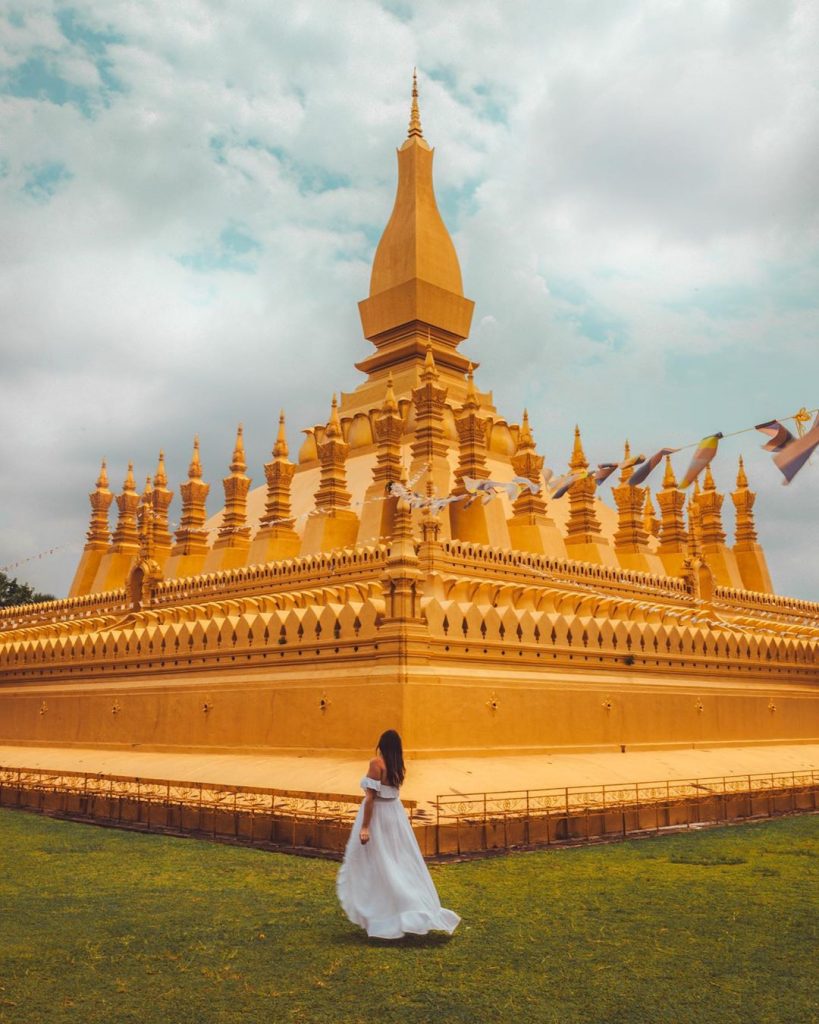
[{"x": 384, "y": 885}]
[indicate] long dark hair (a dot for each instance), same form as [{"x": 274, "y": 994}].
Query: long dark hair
[{"x": 393, "y": 753}]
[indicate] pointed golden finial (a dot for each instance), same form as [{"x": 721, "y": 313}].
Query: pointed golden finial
[
  {"x": 430, "y": 370},
  {"x": 161, "y": 476},
  {"x": 280, "y": 449},
  {"x": 742, "y": 479},
  {"x": 627, "y": 470},
  {"x": 471, "y": 399},
  {"x": 578, "y": 459},
  {"x": 708, "y": 481},
  {"x": 525, "y": 436},
  {"x": 414, "y": 129},
  {"x": 238, "y": 464},
  {"x": 669, "y": 480},
  {"x": 102, "y": 479},
  {"x": 195, "y": 467},
  {"x": 651, "y": 524},
  {"x": 334, "y": 423},
  {"x": 130, "y": 484},
  {"x": 390, "y": 403},
  {"x": 148, "y": 491}
]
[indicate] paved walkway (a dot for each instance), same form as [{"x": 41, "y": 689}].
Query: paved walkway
[{"x": 426, "y": 778}]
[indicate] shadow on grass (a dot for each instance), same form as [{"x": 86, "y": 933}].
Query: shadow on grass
[{"x": 434, "y": 940}]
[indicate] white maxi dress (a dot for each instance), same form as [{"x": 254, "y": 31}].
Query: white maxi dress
[{"x": 384, "y": 885}]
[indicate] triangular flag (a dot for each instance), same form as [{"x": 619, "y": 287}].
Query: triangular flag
[
  {"x": 642, "y": 471},
  {"x": 794, "y": 455},
  {"x": 780, "y": 436},
  {"x": 702, "y": 456}
]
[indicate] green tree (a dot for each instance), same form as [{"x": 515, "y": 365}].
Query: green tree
[{"x": 13, "y": 592}]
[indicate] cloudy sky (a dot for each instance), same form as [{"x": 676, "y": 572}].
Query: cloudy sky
[{"x": 191, "y": 194}]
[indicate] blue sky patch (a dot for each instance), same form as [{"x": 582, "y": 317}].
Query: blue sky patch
[
  {"x": 90, "y": 39},
  {"x": 235, "y": 250},
  {"x": 311, "y": 179},
  {"x": 592, "y": 320},
  {"x": 38, "y": 76},
  {"x": 95, "y": 45},
  {"x": 36, "y": 79},
  {"x": 401, "y": 9},
  {"x": 45, "y": 179}
]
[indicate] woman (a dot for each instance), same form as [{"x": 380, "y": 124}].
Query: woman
[{"x": 383, "y": 884}]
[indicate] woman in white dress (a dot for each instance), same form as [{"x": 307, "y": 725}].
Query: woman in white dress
[{"x": 383, "y": 884}]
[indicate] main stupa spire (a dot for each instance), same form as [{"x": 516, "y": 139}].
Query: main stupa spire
[
  {"x": 416, "y": 293},
  {"x": 415, "y": 116}
]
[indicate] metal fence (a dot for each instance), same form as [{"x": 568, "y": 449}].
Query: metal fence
[
  {"x": 251, "y": 814},
  {"x": 459, "y": 825},
  {"x": 476, "y": 822}
]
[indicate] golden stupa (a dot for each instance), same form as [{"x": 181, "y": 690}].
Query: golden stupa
[{"x": 317, "y": 609}]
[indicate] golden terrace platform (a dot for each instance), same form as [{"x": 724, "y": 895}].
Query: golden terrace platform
[
  {"x": 311, "y": 613},
  {"x": 429, "y": 778}
]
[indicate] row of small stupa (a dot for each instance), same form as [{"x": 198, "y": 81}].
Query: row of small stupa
[{"x": 638, "y": 538}]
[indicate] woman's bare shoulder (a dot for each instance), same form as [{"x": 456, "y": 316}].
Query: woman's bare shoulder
[{"x": 376, "y": 769}]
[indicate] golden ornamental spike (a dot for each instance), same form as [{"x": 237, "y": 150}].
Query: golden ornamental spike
[
  {"x": 280, "y": 449},
  {"x": 195, "y": 467},
  {"x": 238, "y": 464},
  {"x": 161, "y": 476},
  {"x": 669, "y": 480},
  {"x": 334, "y": 423},
  {"x": 415, "y": 117},
  {"x": 390, "y": 404},
  {"x": 430, "y": 370},
  {"x": 471, "y": 399},
  {"x": 742, "y": 479}
]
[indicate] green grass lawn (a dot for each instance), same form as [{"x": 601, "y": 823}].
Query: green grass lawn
[{"x": 109, "y": 927}]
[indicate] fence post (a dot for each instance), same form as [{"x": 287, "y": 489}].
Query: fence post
[
  {"x": 528, "y": 831},
  {"x": 438, "y": 825},
  {"x": 484, "y": 828}
]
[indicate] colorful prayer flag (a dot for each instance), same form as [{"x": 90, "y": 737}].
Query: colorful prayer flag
[
  {"x": 780, "y": 436},
  {"x": 794, "y": 455},
  {"x": 566, "y": 481},
  {"x": 604, "y": 471},
  {"x": 641, "y": 473},
  {"x": 632, "y": 460},
  {"x": 702, "y": 456},
  {"x": 560, "y": 485}
]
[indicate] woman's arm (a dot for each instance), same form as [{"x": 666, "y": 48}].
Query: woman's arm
[{"x": 374, "y": 772}]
